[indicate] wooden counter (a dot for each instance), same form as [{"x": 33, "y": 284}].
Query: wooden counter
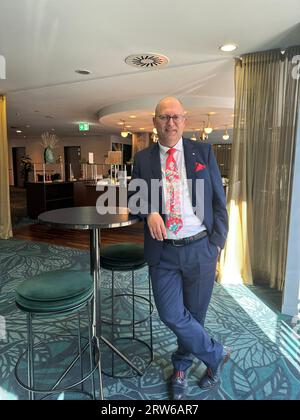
[
  {"x": 86, "y": 194},
  {"x": 42, "y": 196},
  {"x": 46, "y": 196}
]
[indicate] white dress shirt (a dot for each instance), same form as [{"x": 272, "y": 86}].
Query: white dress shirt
[{"x": 191, "y": 223}]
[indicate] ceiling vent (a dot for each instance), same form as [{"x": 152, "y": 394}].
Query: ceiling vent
[{"x": 147, "y": 61}]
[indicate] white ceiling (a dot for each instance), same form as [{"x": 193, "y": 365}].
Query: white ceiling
[{"x": 45, "y": 41}]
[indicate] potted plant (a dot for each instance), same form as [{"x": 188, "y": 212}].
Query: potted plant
[{"x": 26, "y": 165}]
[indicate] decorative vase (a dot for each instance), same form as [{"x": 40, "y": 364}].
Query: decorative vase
[{"x": 49, "y": 155}]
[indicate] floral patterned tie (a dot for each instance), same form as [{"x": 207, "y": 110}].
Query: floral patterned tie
[{"x": 173, "y": 205}]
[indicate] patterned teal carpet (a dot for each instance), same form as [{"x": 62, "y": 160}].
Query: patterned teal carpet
[{"x": 265, "y": 361}]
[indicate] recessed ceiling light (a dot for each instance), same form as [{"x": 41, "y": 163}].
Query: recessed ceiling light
[
  {"x": 83, "y": 72},
  {"x": 128, "y": 126},
  {"x": 228, "y": 47},
  {"x": 120, "y": 123},
  {"x": 142, "y": 128},
  {"x": 19, "y": 131},
  {"x": 132, "y": 116}
]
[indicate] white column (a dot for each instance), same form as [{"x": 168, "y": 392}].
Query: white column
[{"x": 291, "y": 298}]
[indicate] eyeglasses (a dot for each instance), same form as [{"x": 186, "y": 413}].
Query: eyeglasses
[{"x": 167, "y": 118}]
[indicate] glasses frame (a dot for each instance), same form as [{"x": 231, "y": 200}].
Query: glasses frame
[{"x": 177, "y": 118}]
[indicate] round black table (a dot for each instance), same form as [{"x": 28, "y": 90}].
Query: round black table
[{"x": 93, "y": 219}]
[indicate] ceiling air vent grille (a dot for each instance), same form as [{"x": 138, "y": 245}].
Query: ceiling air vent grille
[{"x": 147, "y": 61}]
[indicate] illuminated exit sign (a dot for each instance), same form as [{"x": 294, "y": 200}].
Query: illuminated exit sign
[{"x": 84, "y": 127}]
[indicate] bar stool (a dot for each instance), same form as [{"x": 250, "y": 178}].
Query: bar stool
[
  {"x": 62, "y": 294},
  {"x": 122, "y": 258}
]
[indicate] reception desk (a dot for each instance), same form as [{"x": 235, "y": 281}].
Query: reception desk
[
  {"x": 86, "y": 194},
  {"x": 47, "y": 196}
]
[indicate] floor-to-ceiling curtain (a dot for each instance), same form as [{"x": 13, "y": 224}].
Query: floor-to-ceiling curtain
[
  {"x": 266, "y": 105},
  {"x": 5, "y": 219}
]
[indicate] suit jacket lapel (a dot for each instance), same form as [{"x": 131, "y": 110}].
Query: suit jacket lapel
[
  {"x": 190, "y": 162},
  {"x": 190, "y": 159},
  {"x": 155, "y": 162},
  {"x": 156, "y": 171}
]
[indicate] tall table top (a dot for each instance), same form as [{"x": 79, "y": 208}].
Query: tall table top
[{"x": 84, "y": 218}]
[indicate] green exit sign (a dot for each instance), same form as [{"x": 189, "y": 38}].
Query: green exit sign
[{"x": 84, "y": 127}]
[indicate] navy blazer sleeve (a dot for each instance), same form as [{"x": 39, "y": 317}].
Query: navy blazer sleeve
[
  {"x": 136, "y": 174},
  {"x": 220, "y": 216}
]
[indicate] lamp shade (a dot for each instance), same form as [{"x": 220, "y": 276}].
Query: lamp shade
[
  {"x": 208, "y": 130},
  {"x": 226, "y": 135}
]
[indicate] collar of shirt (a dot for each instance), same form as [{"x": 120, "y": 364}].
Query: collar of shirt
[{"x": 178, "y": 146}]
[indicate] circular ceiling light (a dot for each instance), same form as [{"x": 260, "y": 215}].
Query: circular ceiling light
[
  {"x": 147, "y": 60},
  {"x": 228, "y": 47}
]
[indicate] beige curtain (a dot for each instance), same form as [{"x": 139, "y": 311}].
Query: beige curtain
[
  {"x": 266, "y": 106},
  {"x": 5, "y": 219}
]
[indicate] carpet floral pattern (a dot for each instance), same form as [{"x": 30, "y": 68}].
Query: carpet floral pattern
[{"x": 265, "y": 358}]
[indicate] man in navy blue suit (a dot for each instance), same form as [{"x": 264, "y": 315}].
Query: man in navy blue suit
[{"x": 185, "y": 230}]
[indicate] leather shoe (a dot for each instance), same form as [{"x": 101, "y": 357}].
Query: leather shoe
[
  {"x": 178, "y": 385},
  {"x": 212, "y": 376}
]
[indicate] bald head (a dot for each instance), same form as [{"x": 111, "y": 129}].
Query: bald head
[
  {"x": 168, "y": 101},
  {"x": 169, "y": 129}
]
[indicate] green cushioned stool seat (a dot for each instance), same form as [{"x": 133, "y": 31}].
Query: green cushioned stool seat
[
  {"x": 48, "y": 295},
  {"x": 55, "y": 286},
  {"x": 123, "y": 257},
  {"x": 47, "y": 307},
  {"x": 55, "y": 291}
]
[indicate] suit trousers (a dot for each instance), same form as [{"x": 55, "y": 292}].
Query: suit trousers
[{"x": 182, "y": 285}]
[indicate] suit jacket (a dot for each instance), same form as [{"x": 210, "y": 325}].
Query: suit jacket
[{"x": 147, "y": 166}]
